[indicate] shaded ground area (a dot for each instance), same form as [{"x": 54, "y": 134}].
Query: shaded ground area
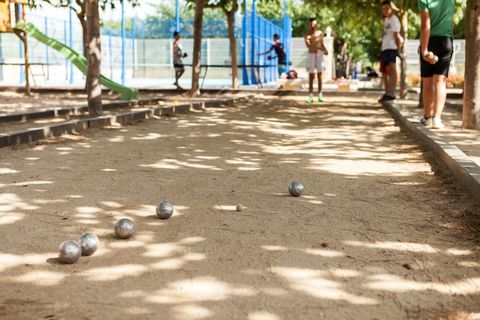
[{"x": 376, "y": 235}]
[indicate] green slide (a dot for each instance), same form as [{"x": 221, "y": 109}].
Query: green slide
[{"x": 77, "y": 59}]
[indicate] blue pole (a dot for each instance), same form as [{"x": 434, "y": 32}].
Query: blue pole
[
  {"x": 144, "y": 44},
  {"x": 177, "y": 15},
  {"x": 110, "y": 53},
  {"x": 244, "y": 48},
  {"x": 284, "y": 8},
  {"x": 65, "y": 39},
  {"x": 123, "y": 45},
  {"x": 47, "y": 58},
  {"x": 21, "y": 49},
  {"x": 134, "y": 34},
  {"x": 254, "y": 34},
  {"x": 70, "y": 43}
]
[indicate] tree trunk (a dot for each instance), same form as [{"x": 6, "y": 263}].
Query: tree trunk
[
  {"x": 403, "y": 52},
  {"x": 197, "y": 46},
  {"x": 233, "y": 47},
  {"x": 82, "y": 16},
  {"x": 471, "y": 94},
  {"x": 94, "y": 89}
]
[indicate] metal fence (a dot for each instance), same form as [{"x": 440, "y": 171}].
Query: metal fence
[{"x": 143, "y": 51}]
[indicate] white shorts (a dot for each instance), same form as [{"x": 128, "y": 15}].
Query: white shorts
[{"x": 315, "y": 62}]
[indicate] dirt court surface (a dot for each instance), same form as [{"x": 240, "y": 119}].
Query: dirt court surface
[{"x": 377, "y": 235}]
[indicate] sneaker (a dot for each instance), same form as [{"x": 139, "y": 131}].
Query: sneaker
[
  {"x": 389, "y": 98},
  {"x": 437, "y": 123},
  {"x": 382, "y": 98},
  {"x": 320, "y": 98},
  {"x": 310, "y": 100},
  {"x": 427, "y": 122}
]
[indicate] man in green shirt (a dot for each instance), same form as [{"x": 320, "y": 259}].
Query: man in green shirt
[{"x": 436, "y": 38}]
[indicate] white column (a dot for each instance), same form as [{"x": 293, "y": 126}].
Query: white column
[{"x": 330, "y": 58}]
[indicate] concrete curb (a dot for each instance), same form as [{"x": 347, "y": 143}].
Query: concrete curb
[
  {"x": 467, "y": 171},
  {"x": 55, "y": 112},
  {"x": 76, "y": 126}
]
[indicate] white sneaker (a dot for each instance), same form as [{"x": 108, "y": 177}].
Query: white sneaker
[
  {"x": 437, "y": 123},
  {"x": 427, "y": 122}
]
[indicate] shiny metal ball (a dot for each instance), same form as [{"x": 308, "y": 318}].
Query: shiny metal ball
[
  {"x": 124, "y": 228},
  {"x": 296, "y": 189},
  {"x": 69, "y": 252},
  {"x": 89, "y": 243},
  {"x": 165, "y": 210}
]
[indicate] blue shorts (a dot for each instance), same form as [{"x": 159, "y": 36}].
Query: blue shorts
[{"x": 388, "y": 56}]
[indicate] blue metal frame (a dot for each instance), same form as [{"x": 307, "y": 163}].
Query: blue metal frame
[
  {"x": 70, "y": 43},
  {"x": 47, "y": 57},
  {"x": 124, "y": 55},
  {"x": 134, "y": 35}
]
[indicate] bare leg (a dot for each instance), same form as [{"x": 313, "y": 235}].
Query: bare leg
[
  {"x": 428, "y": 97},
  {"x": 392, "y": 76},
  {"x": 311, "y": 77},
  {"x": 439, "y": 83},
  {"x": 319, "y": 83},
  {"x": 386, "y": 82}
]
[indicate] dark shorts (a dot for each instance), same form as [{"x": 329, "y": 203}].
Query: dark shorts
[
  {"x": 179, "y": 66},
  {"x": 443, "y": 48},
  {"x": 388, "y": 57}
]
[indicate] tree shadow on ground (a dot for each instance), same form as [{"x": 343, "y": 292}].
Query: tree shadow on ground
[{"x": 361, "y": 243}]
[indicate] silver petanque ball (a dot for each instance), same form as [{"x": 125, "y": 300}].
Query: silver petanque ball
[
  {"x": 124, "y": 228},
  {"x": 69, "y": 252},
  {"x": 296, "y": 189},
  {"x": 89, "y": 243},
  {"x": 165, "y": 210}
]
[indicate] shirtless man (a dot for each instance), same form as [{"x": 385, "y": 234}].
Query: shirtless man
[{"x": 316, "y": 50}]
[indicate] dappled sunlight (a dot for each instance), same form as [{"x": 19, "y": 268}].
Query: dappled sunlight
[
  {"x": 148, "y": 136},
  {"x": 12, "y": 260},
  {"x": 197, "y": 290},
  {"x": 191, "y": 312},
  {"x": 316, "y": 284},
  {"x": 41, "y": 278},
  {"x": 114, "y": 272},
  {"x": 174, "y": 164},
  {"x": 410, "y": 247},
  {"x": 394, "y": 283},
  {"x": 263, "y": 315},
  {"x": 7, "y": 171},
  {"x": 400, "y": 246}
]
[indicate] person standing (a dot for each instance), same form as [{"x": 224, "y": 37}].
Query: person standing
[
  {"x": 392, "y": 41},
  {"x": 436, "y": 50},
  {"x": 178, "y": 56},
  {"x": 316, "y": 50},
  {"x": 280, "y": 52}
]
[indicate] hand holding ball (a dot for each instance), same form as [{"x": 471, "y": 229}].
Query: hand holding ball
[{"x": 431, "y": 57}]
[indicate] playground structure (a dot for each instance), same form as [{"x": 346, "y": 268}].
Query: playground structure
[
  {"x": 12, "y": 19},
  {"x": 12, "y": 12}
]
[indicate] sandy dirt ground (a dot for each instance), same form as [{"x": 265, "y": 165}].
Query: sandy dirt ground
[{"x": 376, "y": 235}]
